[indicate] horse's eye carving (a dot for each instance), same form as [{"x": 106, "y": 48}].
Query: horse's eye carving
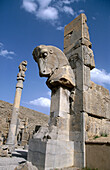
[{"x": 44, "y": 55}]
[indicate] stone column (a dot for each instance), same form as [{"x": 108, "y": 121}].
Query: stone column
[
  {"x": 25, "y": 133},
  {"x": 77, "y": 48},
  {"x": 50, "y": 147},
  {"x": 19, "y": 86},
  {"x": 60, "y": 112}
]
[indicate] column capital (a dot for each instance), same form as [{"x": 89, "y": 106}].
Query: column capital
[{"x": 22, "y": 70}]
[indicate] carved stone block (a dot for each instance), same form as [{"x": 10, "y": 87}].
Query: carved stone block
[{"x": 51, "y": 154}]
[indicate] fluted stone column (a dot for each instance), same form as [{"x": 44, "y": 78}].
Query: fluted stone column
[{"x": 19, "y": 87}]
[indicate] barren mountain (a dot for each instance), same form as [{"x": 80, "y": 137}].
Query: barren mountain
[{"x": 34, "y": 117}]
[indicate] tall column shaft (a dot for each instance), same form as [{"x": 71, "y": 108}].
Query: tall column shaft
[
  {"x": 13, "y": 124},
  {"x": 17, "y": 97},
  {"x": 19, "y": 86}
]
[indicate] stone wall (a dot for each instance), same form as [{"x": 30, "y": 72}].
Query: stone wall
[
  {"x": 97, "y": 101},
  {"x": 90, "y": 103},
  {"x": 96, "y": 127},
  {"x": 97, "y": 111},
  {"x": 98, "y": 155}
]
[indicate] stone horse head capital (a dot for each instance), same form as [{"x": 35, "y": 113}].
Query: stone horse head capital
[{"x": 53, "y": 64}]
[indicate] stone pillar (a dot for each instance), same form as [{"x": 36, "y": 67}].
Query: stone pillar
[
  {"x": 59, "y": 103},
  {"x": 60, "y": 112},
  {"x": 19, "y": 86},
  {"x": 62, "y": 143},
  {"x": 77, "y": 48},
  {"x": 50, "y": 147},
  {"x": 25, "y": 134}
]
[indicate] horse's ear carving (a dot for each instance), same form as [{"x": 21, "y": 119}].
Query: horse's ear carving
[{"x": 53, "y": 64}]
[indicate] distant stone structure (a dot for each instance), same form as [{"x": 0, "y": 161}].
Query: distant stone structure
[
  {"x": 80, "y": 109},
  {"x": 29, "y": 121},
  {"x": 12, "y": 135}
]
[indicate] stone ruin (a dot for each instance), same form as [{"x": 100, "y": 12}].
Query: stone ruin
[
  {"x": 22, "y": 133},
  {"x": 16, "y": 132},
  {"x": 80, "y": 109},
  {"x": 79, "y": 112},
  {"x": 12, "y": 135},
  {"x": 16, "y": 129}
]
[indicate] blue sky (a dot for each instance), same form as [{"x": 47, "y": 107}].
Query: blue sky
[{"x": 26, "y": 24}]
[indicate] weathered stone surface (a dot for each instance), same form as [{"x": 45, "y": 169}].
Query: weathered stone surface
[
  {"x": 78, "y": 159},
  {"x": 96, "y": 104},
  {"x": 86, "y": 78},
  {"x": 73, "y": 104},
  {"x": 11, "y": 140},
  {"x": 7, "y": 163},
  {"x": 1, "y": 140},
  {"x": 22, "y": 70},
  {"x": 51, "y": 154},
  {"x": 60, "y": 102},
  {"x": 88, "y": 57},
  {"x": 95, "y": 126},
  {"x": 26, "y": 166},
  {"x": 54, "y": 139},
  {"x": 96, "y": 101},
  {"x": 79, "y": 22},
  {"x": 60, "y": 122},
  {"x": 76, "y": 34},
  {"x": 4, "y": 151},
  {"x": 60, "y": 131},
  {"x": 81, "y": 54},
  {"x": 98, "y": 155},
  {"x": 74, "y": 45},
  {"x": 77, "y": 48},
  {"x": 53, "y": 64}
]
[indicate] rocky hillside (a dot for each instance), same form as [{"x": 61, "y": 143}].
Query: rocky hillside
[{"x": 34, "y": 117}]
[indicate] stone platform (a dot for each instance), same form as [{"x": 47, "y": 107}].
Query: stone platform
[
  {"x": 10, "y": 163},
  {"x": 51, "y": 154}
]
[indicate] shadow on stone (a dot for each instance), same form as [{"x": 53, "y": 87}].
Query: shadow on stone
[{"x": 21, "y": 154}]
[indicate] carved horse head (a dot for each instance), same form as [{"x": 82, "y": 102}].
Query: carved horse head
[{"x": 53, "y": 64}]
